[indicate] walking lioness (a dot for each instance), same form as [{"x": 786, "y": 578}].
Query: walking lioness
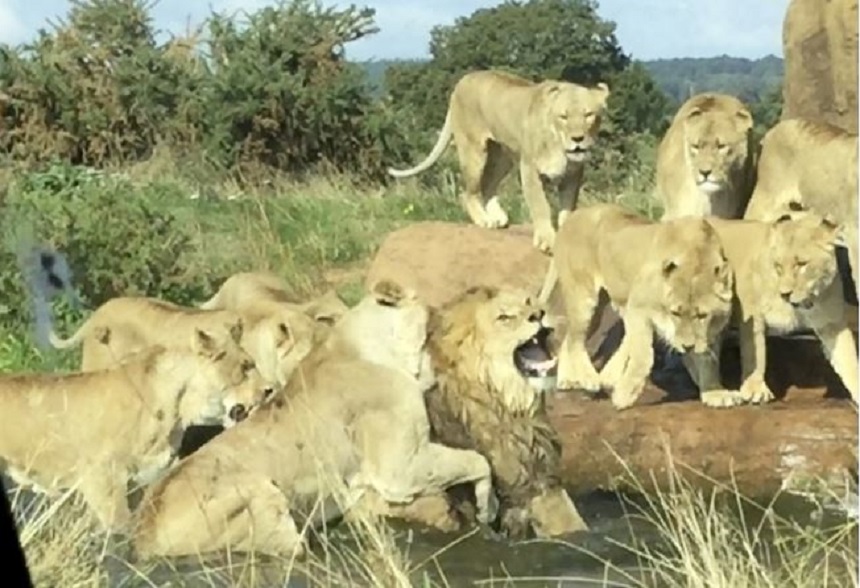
[
  {"x": 497, "y": 120},
  {"x": 97, "y": 430}
]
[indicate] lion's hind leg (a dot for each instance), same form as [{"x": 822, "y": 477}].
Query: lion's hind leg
[
  {"x": 499, "y": 164},
  {"x": 474, "y": 156}
]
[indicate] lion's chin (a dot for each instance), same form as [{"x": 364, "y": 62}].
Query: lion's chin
[
  {"x": 576, "y": 155},
  {"x": 709, "y": 187}
]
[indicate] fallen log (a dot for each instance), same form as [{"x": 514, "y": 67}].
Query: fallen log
[{"x": 809, "y": 433}]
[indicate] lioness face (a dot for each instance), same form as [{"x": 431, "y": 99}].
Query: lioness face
[
  {"x": 697, "y": 291},
  {"x": 280, "y": 341},
  {"x": 716, "y": 143},
  {"x": 225, "y": 386},
  {"x": 575, "y": 114},
  {"x": 510, "y": 326},
  {"x": 802, "y": 249}
]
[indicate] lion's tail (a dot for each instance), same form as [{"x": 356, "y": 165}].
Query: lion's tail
[
  {"x": 438, "y": 149},
  {"x": 58, "y": 342},
  {"x": 549, "y": 282}
]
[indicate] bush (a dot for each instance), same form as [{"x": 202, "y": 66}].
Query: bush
[{"x": 119, "y": 238}]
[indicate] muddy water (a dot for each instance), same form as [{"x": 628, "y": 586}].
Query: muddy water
[{"x": 477, "y": 561}]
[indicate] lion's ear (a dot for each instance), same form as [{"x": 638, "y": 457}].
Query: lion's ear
[
  {"x": 694, "y": 112},
  {"x": 603, "y": 90},
  {"x": 745, "y": 118},
  {"x": 551, "y": 87},
  {"x": 388, "y": 292},
  {"x": 836, "y": 230},
  {"x": 203, "y": 343},
  {"x": 784, "y": 218},
  {"x": 283, "y": 332}
]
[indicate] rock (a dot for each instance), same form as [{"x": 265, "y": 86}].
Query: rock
[
  {"x": 820, "y": 47},
  {"x": 804, "y": 432}
]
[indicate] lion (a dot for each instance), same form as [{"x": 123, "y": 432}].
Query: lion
[
  {"x": 248, "y": 291},
  {"x": 95, "y": 431},
  {"x": 671, "y": 278},
  {"x": 489, "y": 350},
  {"x": 353, "y": 415},
  {"x": 497, "y": 119},
  {"x": 706, "y": 159},
  {"x": 786, "y": 278},
  {"x": 812, "y": 164}
]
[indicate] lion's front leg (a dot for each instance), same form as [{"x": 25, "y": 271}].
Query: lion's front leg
[
  {"x": 638, "y": 336},
  {"x": 839, "y": 345},
  {"x": 539, "y": 209},
  {"x": 704, "y": 368},
  {"x": 751, "y": 334},
  {"x": 575, "y": 370},
  {"x": 568, "y": 191}
]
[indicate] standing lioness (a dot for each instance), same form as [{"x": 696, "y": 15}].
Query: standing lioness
[
  {"x": 498, "y": 119},
  {"x": 670, "y": 278},
  {"x": 97, "y": 430}
]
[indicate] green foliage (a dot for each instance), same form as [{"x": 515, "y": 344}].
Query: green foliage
[
  {"x": 120, "y": 238},
  {"x": 273, "y": 92},
  {"x": 767, "y": 111},
  {"x": 748, "y": 79}
]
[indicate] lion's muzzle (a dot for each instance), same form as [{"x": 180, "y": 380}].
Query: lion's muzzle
[{"x": 238, "y": 412}]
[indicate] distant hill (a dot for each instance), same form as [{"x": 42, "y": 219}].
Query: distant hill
[{"x": 749, "y": 79}]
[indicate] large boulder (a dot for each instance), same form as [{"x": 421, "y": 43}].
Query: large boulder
[
  {"x": 820, "y": 49},
  {"x": 811, "y": 431}
]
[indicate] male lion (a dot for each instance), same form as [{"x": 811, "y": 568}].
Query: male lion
[
  {"x": 97, "y": 430},
  {"x": 705, "y": 161},
  {"x": 814, "y": 165},
  {"x": 353, "y": 413},
  {"x": 489, "y": 352},
  {"x": 255, "y": 291},
  {"x": 785, "y": 277},
  {"x": 668, "y": 277},
  {"x": 498, "y": 119}
]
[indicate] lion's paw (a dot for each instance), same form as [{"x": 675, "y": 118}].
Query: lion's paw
[
  {"x": 587, "y": 384},
  {"x": 624, "y": 396},
  {"x": 488, "y": 515},
  {"x": 756, "y": 391},
  {"x": 544, "y": 240},
  {"x": 496, "y": 215},
  {"x": 721, "y": 398}
]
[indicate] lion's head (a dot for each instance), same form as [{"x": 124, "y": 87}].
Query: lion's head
[
  {"x": 496, "y": 339},
  {"x": 716, "y": 139},
  {"x": 388, "y": 327},
  {"x": 280, "y": 340},
  {"x": 574, "y": 113},
  {"x": 222, "y": 383},
  {"x": 801, "y": 249},
  {"x": 696, "y": 283}
]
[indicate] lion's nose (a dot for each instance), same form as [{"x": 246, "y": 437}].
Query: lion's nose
[
  {"x": 537, "y": 315},
  {"x": 267, "y": 393},
  {"x": 688, "y": 348},
  {"x": 238, "y": 412},
  {"x": 786, "y": 296},
  {"x": 578, "y": 138},
  {"x": 705, "y": 173}
]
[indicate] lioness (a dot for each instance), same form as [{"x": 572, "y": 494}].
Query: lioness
[
  {"x": 249, "y": 291},
  {"x": 815, "y": 165},
  {"x": 785, "y": 277},
  {"x": 668, "y": 277},
  {"x": 126, "y": 325},
  {"x": 498, "y": 119},
  {"x": 489, "y": 351},
  {"x": 706, "y": 161},
  {"x": 353, "y": 412},
  {"x": 97, "y": 430}
]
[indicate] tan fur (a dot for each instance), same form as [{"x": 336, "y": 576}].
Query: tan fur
[
  {"x": 498, "y": 120},
  {"x": 484, "y": 402},
  {"x": 353, "y": 413},
  {"x": 248, "y": 291},
  {"x": 710, "y": 133},
  {"x": 670, "y": 278},
  {"x": 97, "y": 430},
  {"x": 785, "y": 278},
  {"x": 812, "y": 164}
]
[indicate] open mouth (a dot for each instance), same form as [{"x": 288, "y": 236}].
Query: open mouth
[
  {"x": 534, "y": 359},
  {"x": 576, "y": 153}
]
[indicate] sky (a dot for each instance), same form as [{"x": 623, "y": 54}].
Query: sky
[{"x": 645, "y": 28}]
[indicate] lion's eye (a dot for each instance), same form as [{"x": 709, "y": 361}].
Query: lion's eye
[
  {"x": 247, "y": 366},
  {"x": 801, "y": 263},
  {"x": 506, "y": 317},
  {"x": 676, "y": 312},
  {"x": 700, "y": 316},
  {"x": 777, "y": 267}
]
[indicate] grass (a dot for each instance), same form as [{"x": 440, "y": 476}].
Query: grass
[{"x": 323, "y": 232}]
